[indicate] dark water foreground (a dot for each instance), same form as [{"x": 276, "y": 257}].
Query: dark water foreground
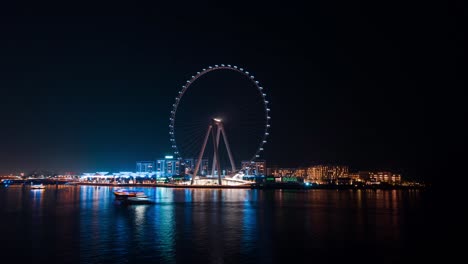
[{"x": 84, "y": 224}]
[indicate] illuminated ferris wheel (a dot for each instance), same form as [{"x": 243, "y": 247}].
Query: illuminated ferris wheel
[{"x": 231, "y": 94}]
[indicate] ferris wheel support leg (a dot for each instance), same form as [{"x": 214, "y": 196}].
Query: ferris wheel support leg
[
  {"x": 197, "y": 167},
  {"x": 231, "y": 159},
  {"x": 217, "y": 146}
]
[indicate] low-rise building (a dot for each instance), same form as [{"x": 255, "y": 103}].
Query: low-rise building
[{"x": 385, "y": 176}]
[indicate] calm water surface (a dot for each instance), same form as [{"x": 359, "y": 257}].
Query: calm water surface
[{"x": 84, "y": 224}]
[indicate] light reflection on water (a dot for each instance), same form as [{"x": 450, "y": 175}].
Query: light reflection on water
[{"x": 86, "y": 225}]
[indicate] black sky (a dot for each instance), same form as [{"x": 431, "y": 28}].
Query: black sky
[{"x": 90, "y": 87}]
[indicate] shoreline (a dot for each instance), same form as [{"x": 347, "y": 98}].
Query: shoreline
[
  {"x": 166, "y": 185},
  {"x": 257, "y": 186},
  {"x": 260, "y": 186}
]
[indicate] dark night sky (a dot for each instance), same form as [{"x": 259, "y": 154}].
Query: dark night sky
[{"x": 89, "y": 87}]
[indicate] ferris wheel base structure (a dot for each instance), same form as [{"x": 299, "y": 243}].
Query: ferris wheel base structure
[
  {"x": 217, "y": 127},
  {"x": 226, "y": 181}
]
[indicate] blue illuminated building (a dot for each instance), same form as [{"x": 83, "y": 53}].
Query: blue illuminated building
[
  {"x": 145, "y": 166},
  {"x": 167, "y": 167}
]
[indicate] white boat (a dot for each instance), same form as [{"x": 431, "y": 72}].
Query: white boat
[
  {"x": 125, "y": 193},
  {"x": 37, "y": 186}
]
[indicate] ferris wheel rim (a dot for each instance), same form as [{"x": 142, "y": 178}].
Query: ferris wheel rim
[{"x": 204, "y": 71}]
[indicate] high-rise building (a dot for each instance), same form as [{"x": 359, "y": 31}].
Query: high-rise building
[
  {"x": 167, "y": 167},
  {"x": 191, "y": 163},
  {"x": 144, "y": 166},
  {"x": 254, "y": 167}
]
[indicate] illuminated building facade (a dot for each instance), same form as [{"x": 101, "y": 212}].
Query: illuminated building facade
[
  {"x": 326, "y": 173},
  {"x": 144, "y": 166},
  {"x": 301, "y": 172},
  {"x": 281, "y": 172},
  {"x": 167, "y": 167},
  {"x": 254, "y": 167},
  {"x": 286, "y": 172},
  {"x": 385, "y": 176}
]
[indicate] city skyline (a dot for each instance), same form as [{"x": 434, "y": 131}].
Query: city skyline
[{"x": 168, "y": 166}]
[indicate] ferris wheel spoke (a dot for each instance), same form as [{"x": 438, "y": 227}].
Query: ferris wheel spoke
[{"x": 248, "y": 116}]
